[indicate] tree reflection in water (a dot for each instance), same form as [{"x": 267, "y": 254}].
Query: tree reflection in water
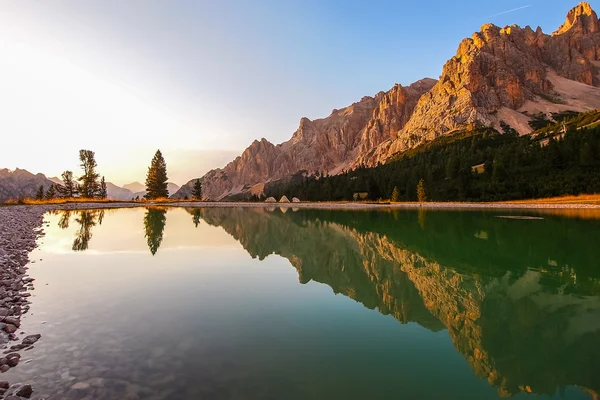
[
  {"x": 86, "y": 220},
  {"x": 196, "y": 215},
  {"x": 154, "y": 225}
]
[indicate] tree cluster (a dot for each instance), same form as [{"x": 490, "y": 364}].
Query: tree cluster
[
  {"x": 89, "y": 187},
  {"x": 478, "y": 165}
]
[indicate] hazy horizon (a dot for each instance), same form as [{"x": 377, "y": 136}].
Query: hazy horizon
[{"x": 202, "y": 80}]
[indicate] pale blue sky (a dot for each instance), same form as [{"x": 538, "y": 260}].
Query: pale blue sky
[{"x": 198, "y": 77}]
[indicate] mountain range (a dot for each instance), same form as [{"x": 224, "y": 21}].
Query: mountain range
[
  {"x": 498, "y": 76},
  {"x": 21, "y": 183}
]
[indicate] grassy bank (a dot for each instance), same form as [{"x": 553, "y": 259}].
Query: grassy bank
[
  {"x": 95, "y": 201},
  {"x": 581, "y": 199}
]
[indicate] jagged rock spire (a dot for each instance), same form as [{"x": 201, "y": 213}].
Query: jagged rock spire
[{"x": 582, "y": 19}]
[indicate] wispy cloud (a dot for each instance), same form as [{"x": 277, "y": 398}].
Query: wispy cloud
[{"x": 509, "y": 11}]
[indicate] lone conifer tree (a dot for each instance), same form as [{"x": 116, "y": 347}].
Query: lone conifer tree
[
  {"x": 51, "y": 193},
  {"x": 421, "y": 191},
  {"x": 69, "y": 187},
  {"x": 197, "y": 191},
  {"x": 395, "y": 195},
  {"x": 89, "y": 179},
  {"x": 40, "y": 193},
  {"x": 103, "y": 191},
  {"x": 156, "y": 180}
]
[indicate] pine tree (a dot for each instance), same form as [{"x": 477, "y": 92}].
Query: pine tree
[
  {"x": 69, "y": 186},
  {"x": 395, "y": 195},
  {"x": 40, "y": 193},
  {"x": 156, "y": 180},
  {"x": 51, "y": 193},
  {"x": 89, "y": 179},
  {"x": 421, "y": 191},
  {"x": 103, "y": 191},
  {"x": 197, "y": 191}
]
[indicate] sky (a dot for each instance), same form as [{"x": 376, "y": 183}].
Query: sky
[{"x": 202, "y": 79}]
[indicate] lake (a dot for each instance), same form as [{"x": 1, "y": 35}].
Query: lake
[{"x": 255, "y": 303}]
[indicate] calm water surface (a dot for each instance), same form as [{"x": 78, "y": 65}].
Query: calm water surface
[{"x": 307, "y": 304}]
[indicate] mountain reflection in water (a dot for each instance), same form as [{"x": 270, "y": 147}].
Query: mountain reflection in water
[{"x": 519, "y": 297}]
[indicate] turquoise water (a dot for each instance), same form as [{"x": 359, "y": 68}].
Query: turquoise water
[{"x": 307, "y": 304}]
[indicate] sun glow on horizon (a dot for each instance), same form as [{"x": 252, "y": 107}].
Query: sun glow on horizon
[{"x": 54, "y": 108}]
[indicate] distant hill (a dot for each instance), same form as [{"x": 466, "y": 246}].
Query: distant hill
[
  {"x": 135, "y": 187},
  {"x": 20, "y": 184},
  {"x": 56, "y": 179},
  {"x": 115, "y": 192},
  {"x": 172, "y": 187}
]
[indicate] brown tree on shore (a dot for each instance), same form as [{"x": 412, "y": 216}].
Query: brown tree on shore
[
  {"x": 421, "y": 192},
  {"x": 103, "y": 191},
  {"x": 51, "y": 193},
  {"x": 197, "y": 191},
  {"x": 156, "y": 180},
  {"x": 40, "y": 193},
  {"x": 69, "y": 187},
  {"x": 89, "y": 179}
]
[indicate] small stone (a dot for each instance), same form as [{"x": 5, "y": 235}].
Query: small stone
[
  {"x": 4, "y": 368},
  {"x": 12, "y": 359},
  {"x": 80, "y": 386},
  {"x": 9, "y": 328},
  {"x": 31, "y": 339},
  {"x": 26, "y": 391},
  {"x": 13, "y": 362},
  {"x": 13, "y": 321},
  {"x": 96, "y": 382},
  {"x": 4, "y": 385}
]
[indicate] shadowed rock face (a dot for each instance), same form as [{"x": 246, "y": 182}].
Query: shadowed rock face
[
  {"x": 20, "y": 184},
  {"x": 524, "y": 314},
  {"x": 495, "y": 75}
]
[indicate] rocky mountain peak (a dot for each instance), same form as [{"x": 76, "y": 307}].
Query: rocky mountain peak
[
  {"x": 20, "y": 183},
  {"x": 498, "y": 75},
  {"x": 582, "y": 19}
]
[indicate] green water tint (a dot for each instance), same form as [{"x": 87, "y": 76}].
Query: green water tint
[{"x": 518, "y": 299}]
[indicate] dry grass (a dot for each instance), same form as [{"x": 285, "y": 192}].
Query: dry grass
[
  {"x": 580, "y": 199},
  {"x": 68, "y": 200},
  {"x": 57, "y": 201}
]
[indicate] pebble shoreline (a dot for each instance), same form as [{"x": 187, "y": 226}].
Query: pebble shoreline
[{"x": 22, "y": 225}]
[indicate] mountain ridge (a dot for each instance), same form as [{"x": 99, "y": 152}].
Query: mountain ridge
[
  {"x": 21, "y": 183},
  {"x": 497, "y": 75},
  {"x": 324, "y": 145}
]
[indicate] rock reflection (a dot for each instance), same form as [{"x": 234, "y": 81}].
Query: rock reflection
[
  {"x": 154, "y": 225},
  {"x": 522, "y": 306}
]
